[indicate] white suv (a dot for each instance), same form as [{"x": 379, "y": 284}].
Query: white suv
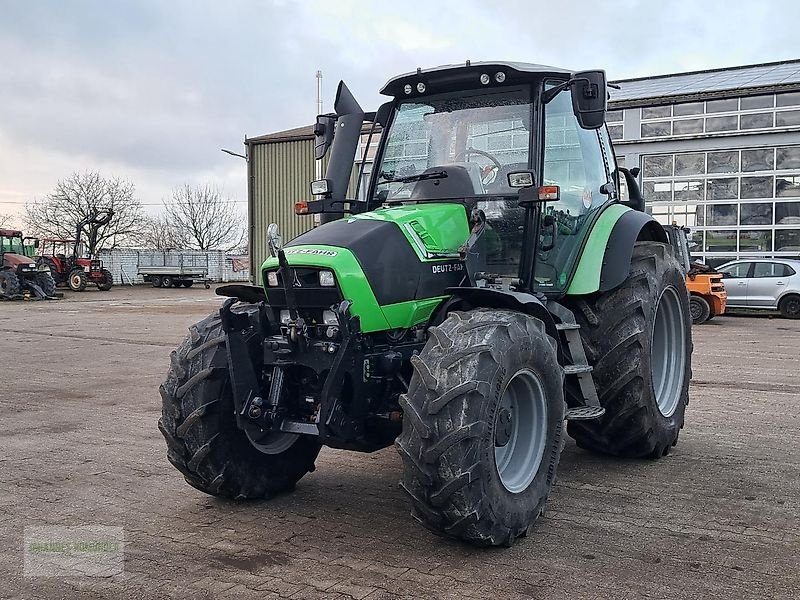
[{"x": 768, "y": 283}]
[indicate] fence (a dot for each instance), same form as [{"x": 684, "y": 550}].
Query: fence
[{"x": 124, "y": 263}]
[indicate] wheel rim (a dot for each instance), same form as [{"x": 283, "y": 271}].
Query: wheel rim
[
  {"x": 520, "y": 431},
  {"x": 792, "y": 307},
  {"x": 668, "y": 352},
  {"x": 76, "y": 281},
  {"x": 273, "y": 443},
  {"x": 696, "y": 310}
]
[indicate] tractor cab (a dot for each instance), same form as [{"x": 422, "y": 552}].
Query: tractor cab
[
  {"x": 523, "y": 147},
  {"x": 11, "y": 242}
]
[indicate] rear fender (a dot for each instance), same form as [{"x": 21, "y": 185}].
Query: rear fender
[{"x": 606, "y": 257}]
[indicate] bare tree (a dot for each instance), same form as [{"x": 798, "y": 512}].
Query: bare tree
[
  {"x": 82, "y": 195},
  {"x": 5, "y": 220},
  {"x": 208, "y": 219},
  {"x": 160, "y": 233}
]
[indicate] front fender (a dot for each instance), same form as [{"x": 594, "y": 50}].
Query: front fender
[{"x": 467, "y": 298}]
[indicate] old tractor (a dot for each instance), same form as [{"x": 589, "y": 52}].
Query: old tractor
[
  {"x": 68, "y": 262},
  {"x": 20, "y": 276},
  {"x": 488, "y": 287}
]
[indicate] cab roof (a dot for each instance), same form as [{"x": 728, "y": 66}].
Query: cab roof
[
  {"x": 10, "y": 232},
  {"x": 455, "y": 77}
]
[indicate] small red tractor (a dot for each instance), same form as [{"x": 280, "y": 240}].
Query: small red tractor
[{"x": 67, "y": 262}]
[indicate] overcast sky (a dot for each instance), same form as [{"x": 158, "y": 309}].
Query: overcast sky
[{"x": 151, "y": 90}]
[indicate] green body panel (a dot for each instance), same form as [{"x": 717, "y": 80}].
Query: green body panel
[
  {"x": 438, "y": 228},
  {"x": 407, "y": 314},
  {"x": 586, "y": 279},
  {"x": 441, "y": 227}
]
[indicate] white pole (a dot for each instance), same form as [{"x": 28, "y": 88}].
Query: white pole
[{"x": 318, "y": 163}]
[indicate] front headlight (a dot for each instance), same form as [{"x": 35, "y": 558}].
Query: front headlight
[
  {"x": 272, "y": 278},
  {"x": 44, "y": 268},
  {"x": 326, "y": 279}
]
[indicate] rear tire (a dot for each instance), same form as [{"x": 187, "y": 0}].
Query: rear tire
[
  {"x": 167, "y": 281},
  {"x": 155, "y": 281},
  {"x": 108, "y": 281},
  {"x": 9, "y": 283},
  {"x": 790, "y": 306},
  {"x": 644, "y": 387},
  {"x": 699, "y": 309},
  {"x": 77, "y": 280},
  {"x": 46, "y": 282},
  {"x": 198, "y": 423},
  {"x": 482, "y": 426}
]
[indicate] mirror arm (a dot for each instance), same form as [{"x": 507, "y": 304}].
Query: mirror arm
[{"x": 555, "y": 91}]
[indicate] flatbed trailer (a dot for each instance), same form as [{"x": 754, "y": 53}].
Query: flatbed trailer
[{"x": 173, "y": 269}]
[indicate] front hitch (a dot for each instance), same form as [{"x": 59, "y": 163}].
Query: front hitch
[{"x": 247, "y": 400}]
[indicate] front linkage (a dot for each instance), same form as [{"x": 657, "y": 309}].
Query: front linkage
[{"x": 331, "y": 382}]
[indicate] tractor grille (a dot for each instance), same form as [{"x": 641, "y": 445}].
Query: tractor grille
[{"x": 307, "y": 290}]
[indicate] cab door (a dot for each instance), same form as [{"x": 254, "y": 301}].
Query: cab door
[
  {"x": 736, "y": 278},
  {"x": 767, "y": 284}
]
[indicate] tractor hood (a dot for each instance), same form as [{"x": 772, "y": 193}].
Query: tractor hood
[
  {"x": 14, "y": 260},
  {"x": 394, "y": 264}
]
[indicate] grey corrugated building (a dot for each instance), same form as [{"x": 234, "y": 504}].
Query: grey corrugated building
[{"x": 719, "y": 151}]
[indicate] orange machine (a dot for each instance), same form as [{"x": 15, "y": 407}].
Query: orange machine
[{"x": 707, "y": 296}]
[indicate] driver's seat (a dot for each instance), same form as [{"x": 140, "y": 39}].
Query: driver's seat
[{"x": 463, "y": 179}]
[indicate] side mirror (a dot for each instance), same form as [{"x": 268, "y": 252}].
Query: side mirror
[
  {"x": 274, "y": 239},
  {"x": 382, "y": 115},
  {"x": 589, "y": 98},
  {"x": 324, "y": 129}
]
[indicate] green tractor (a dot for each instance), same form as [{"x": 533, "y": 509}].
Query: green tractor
[{"x": 490, "y": 285}]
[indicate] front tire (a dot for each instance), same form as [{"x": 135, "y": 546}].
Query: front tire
[
  {"x": 9, "y": 283},
  {"x": 46, "y": 282},
  {"x": 482, "y": 426},
  {"x": 699, "y": 309},
  {"x": 77, "y": 280},
  {"x": 199, "y": 425},
  {"x": 638, "y": 339}
]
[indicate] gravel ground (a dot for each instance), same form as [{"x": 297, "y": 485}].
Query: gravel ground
[{"x": 718, "y": 518}]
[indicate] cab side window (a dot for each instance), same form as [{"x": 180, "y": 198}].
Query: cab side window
[{"x": 573, "y": 160}]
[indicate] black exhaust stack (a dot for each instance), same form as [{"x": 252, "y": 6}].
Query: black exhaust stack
[{"x": 349, "y": 119}]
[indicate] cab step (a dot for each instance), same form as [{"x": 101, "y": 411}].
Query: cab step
[
  {"x": 577, "y": 369},
  {"x": 584, "y": 413}
]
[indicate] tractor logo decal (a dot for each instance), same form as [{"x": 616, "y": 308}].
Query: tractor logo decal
[
  {"x": 447, "y": 268},
  {"x": 314, "y": 251}
]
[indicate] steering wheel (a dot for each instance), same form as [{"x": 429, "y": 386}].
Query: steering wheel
[{"x": 488, "y": 174}]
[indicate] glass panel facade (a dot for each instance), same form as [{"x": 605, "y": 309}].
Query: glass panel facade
[
  {"x": 738, "y": 202},
  {"x": 751, "y": 113}
]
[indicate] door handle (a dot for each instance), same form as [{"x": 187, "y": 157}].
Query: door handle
[
  {"x": 742, "y": 283},
  {"x": 779, "y": 283}
]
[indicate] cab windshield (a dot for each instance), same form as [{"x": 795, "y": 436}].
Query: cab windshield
[{"x": 467, "y": 144}]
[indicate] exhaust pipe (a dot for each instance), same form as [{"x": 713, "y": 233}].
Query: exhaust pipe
[{"x": 349, "y": 119}]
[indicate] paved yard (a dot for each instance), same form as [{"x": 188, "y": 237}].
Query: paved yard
[{"x": 718, "y": 518}]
